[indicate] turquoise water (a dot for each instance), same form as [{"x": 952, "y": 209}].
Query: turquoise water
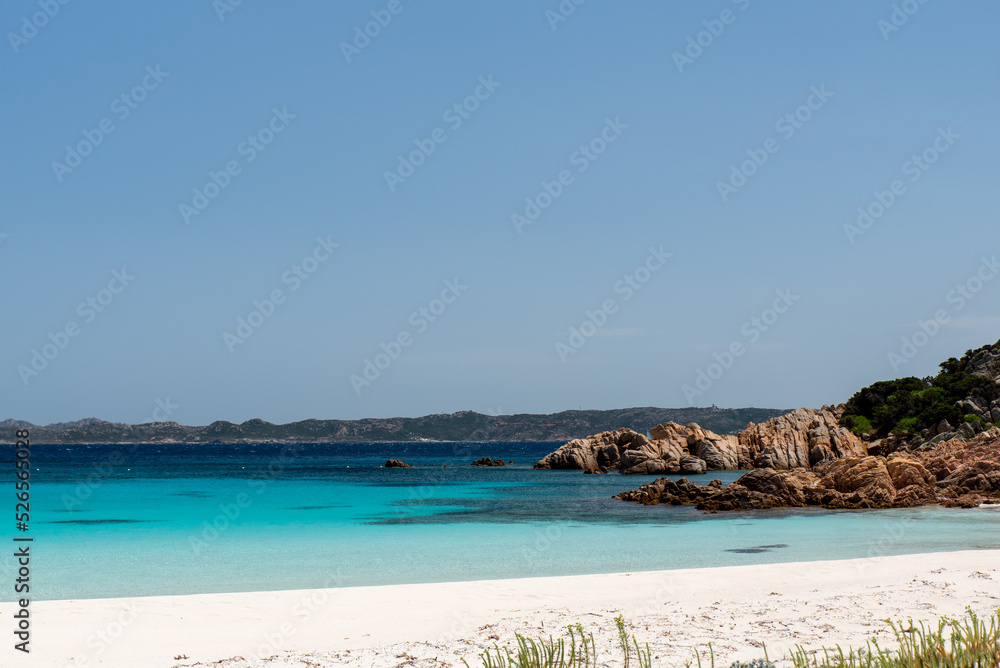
[{"x": 108, "y": 521}]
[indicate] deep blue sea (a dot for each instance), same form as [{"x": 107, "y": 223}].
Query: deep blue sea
[{"x": 114, "y": 520}]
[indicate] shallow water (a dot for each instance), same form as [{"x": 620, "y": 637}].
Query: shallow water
[{"x": 112, "y": 521}]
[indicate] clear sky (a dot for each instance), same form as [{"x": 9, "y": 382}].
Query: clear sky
[{"x": 653, "y": 176}]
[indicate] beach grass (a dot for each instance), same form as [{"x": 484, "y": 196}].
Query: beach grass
[
  {"x": 956, "y": 643},
  {"x": 576, "y": 651},
  {"x": 969, "y": 642}
]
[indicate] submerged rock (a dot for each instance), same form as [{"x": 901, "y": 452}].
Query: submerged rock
[
  {"x": 860, "y": 483},
  {"x": 486, "y": 461}
]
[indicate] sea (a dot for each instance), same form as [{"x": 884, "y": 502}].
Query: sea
[{"x": 140, "y": 520}]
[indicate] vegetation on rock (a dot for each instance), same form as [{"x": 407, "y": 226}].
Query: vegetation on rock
[{"x": 908, "y": 405}]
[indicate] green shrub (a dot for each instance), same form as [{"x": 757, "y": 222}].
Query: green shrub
[
  {"x": 972, "y": 417},
  {"x": 886, "y": 402},
  {"x": 929, "y": 400},
  {"x": 858, "y": 424},
  {"x": 906, "y": 426}
]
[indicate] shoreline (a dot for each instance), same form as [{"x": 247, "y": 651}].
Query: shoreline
[{"x": 813, "y": 603}]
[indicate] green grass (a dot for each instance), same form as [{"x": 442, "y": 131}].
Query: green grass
[
  {"x": 970, "y": 642},
  {"x": 643, "y": 658},
  {"x": 955, "y": 643},
  {"x": 576, "y": 651}
]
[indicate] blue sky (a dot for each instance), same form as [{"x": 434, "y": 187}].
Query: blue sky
[{"x": 640, "y": 137}]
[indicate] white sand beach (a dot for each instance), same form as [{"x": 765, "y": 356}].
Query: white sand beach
[{"x": 734, "y": 608}]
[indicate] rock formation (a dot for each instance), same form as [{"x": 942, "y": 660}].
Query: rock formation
[
  {"x": 669, "y": 451},
  {"x": 964, "y": 467},
  {"x": 718, "y": 452},
  {"x": 954, "y": 473},
  {"x": 397, "y": 464},
  {"x": 799, "y": 439},
  {"x": 985, "y": 362}
]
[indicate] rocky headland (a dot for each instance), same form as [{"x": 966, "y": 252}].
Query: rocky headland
[{"x": 899, "y": 443}]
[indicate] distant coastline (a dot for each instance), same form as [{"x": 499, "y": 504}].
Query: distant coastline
[{"x": 454, "y": 427}]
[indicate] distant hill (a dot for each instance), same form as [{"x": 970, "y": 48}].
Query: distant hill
[{"x": 462, "y": 426}]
